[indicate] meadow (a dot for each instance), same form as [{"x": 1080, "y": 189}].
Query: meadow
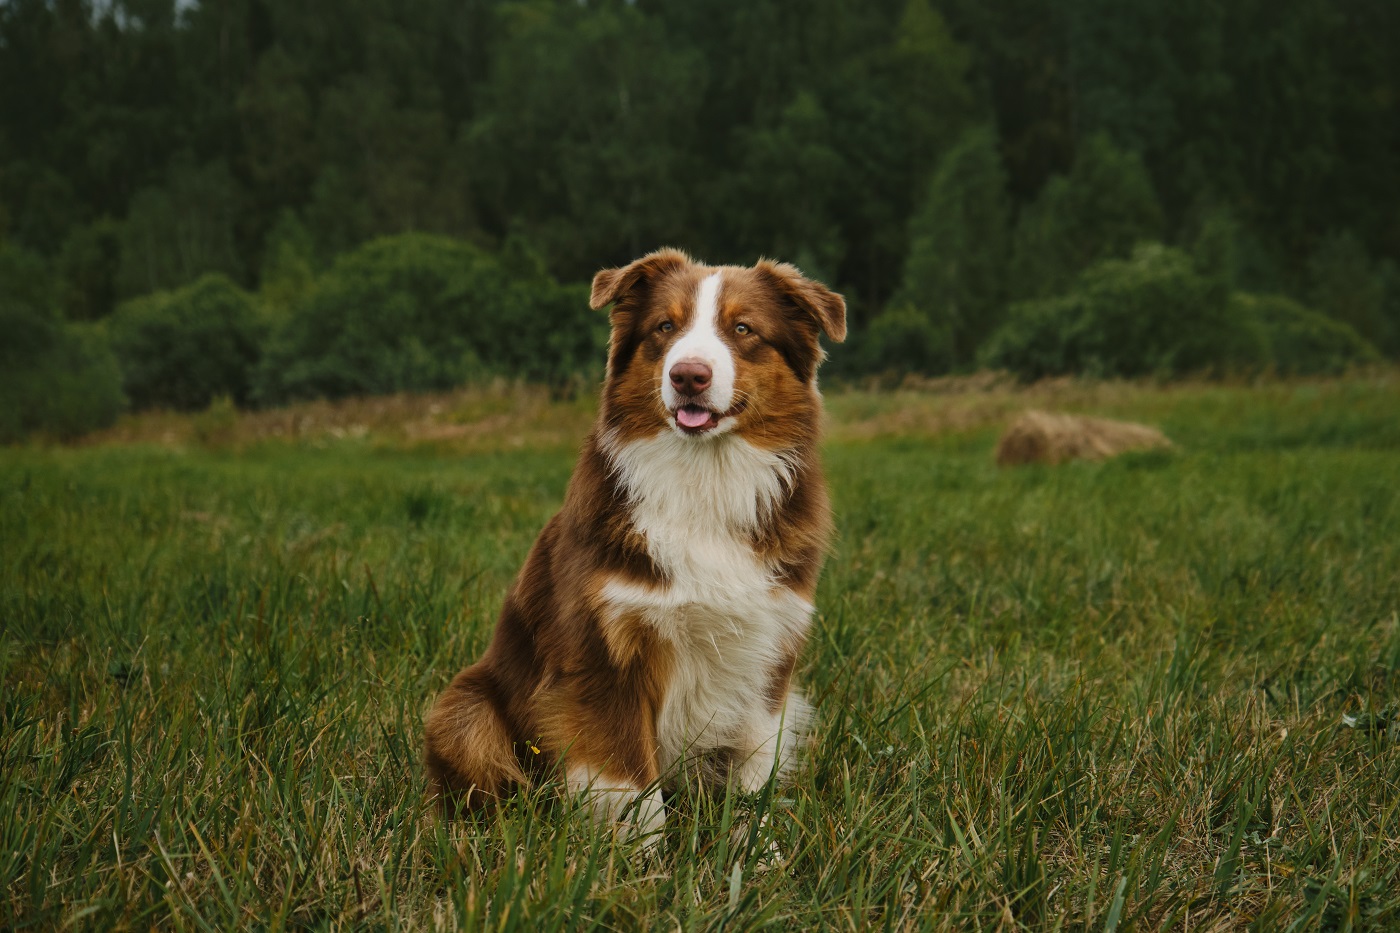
[{"x": 1161, "y": 692}]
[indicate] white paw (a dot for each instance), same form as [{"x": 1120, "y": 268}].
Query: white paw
[
  {"x": 766, "y": 852},
  {"x": 644, "y": 819}
]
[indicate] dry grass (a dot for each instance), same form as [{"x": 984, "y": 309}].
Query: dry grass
[
  {"x": 499, "y": 416},
  {"x": 1046, "y": 437},
  {"x": 505, "y": 416}
]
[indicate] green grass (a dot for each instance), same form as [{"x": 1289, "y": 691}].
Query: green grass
[{"x": 1160, "y": 692}]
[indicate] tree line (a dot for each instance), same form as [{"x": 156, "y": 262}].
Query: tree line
[{"x": 1110, "y": 186}]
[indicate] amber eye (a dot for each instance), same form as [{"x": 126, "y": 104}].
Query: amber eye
[
  {"x": 741, "y": 329},
  {"x": 666, "y": 327}
]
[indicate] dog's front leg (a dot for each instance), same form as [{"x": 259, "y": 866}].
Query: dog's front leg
[
  {"x": 638, "y": 811},
  {"x": 768, "y": 743},
  {"x": 610, "y": 757},
  {"x": 762, "y": 752}
]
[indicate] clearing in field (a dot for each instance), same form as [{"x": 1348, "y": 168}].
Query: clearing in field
[{"x": 1161, "y": 691}]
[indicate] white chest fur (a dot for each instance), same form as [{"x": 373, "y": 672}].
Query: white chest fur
[{"x": 724, "y": 613}]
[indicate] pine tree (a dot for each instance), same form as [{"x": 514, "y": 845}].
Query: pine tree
[
  {"x": 958, "y": 241},
  {"x": 1100, "y": 210}
]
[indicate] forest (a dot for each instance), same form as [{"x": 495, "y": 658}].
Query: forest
[{"x": 261, "y": 202}]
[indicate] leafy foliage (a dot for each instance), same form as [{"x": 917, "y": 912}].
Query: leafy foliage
[
  {"x": 598, "y": 131},
  {"x": 288, "y": 271},
  {"x": 1297, "y": 340},
  {"x": 181, "y": 230},
  {"x": 1100, "y": 210},
  {"x": 1160, "y": 313},
  {"x": 425, "y": 312},
  {"x": 955, "y": 274},
  {"x": 1150, "y": 313},
  {"x": 55, "y": 378},
  {"x": 904, "y": 340},
  {"x": 263, "y": 141},
  {"x": 184, "y": 348},
  {"x": 89, "y": 264},
  {"x": 1348, "y": 286},
  {"x": 620, "y": 147}
]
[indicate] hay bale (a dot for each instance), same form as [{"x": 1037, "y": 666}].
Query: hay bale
[{"x": 1046, "y": 437}]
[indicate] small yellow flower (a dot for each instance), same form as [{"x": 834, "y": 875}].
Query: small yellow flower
[{"x": 533, "y": 748}]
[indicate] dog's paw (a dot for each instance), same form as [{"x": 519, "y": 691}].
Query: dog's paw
[
  {"x": 758, "y": 840},
  {"x": 644, "y": 820}
]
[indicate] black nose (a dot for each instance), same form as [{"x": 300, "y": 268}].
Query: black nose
[{"x": 690, "y": 377}]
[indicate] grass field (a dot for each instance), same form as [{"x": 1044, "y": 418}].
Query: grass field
[{"x": 1159, "y": 692}]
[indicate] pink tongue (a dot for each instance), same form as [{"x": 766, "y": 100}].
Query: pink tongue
[{"x": 692, "y": 417}]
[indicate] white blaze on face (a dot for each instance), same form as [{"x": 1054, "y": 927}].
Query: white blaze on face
[{"x": 701, "y": 342}]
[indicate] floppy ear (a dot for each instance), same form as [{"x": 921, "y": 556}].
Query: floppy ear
[
  {"x": 824, "y": 306},
  {"x": 611, "y": 284}
]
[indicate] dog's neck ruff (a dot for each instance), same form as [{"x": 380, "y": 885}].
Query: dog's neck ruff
[{"x": 677, "y": 485}]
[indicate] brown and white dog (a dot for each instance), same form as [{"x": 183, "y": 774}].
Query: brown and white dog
[{"x": 658, "y": 618}]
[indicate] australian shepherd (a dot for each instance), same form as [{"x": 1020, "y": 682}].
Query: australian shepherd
[{"x": 659, "y": 616}]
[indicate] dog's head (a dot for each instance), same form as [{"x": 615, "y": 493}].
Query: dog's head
[{"x": 709, "y": 351}]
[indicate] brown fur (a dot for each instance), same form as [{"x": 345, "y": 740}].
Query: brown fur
[{"x": 564, "y": 675}]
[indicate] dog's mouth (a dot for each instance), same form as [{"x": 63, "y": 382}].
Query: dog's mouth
[{"x": 697, "y": 419}]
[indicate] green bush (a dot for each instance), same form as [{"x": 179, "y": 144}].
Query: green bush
[
  {"x": 1346, "y": 285},
  {"x": 1150, "y": 313},
  {"x": 1034, "y": 342},
  {"x": 58, "y": 379},
  {"x": 422, "y": 312},
  {"x": 903, "y": 339},
  {"x": 181, "y": 349},
  {"x": 1298, "y": 340},
  {"x": 1156, "y": 314}
]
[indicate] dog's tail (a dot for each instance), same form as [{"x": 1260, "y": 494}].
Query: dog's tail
[{"x": 470, "y": 756}]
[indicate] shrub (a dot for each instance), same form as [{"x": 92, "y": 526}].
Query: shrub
[
  {"x": 1346, "y": 285},
  {"x": 58, "y": 379},
  {"x": 1298, "y": 340},
  {"x": 904, "y": 340},
  {"x": 1154, "y": 313},
  {"x": 1034, "y": 342},
  {"x": 420, "y": 312},
  {"x": 182, "y": 349},
  {"x": 1151, "y": 313}
]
